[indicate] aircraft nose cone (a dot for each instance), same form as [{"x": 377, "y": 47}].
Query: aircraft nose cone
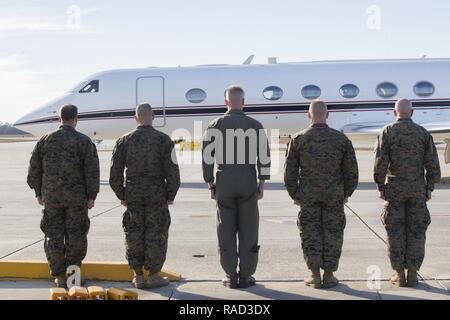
[
  {"x": 21, "y": 121},
  {"x": 28, "y": 118}
]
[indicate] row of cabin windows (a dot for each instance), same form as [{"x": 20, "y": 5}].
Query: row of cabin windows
[{"x": 311, "y": 92}]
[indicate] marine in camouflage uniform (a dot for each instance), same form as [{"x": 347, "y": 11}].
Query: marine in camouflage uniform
[
  {"x": 321, "y": 172},
  {"x": 404, "y": 151},
  {"x": 152, "y": 181},
  {"x": 239, "y": 166},
  {"x": 64, "y": 172}
]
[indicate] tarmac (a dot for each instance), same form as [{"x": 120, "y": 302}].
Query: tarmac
[{"x": 364, "y": 266}]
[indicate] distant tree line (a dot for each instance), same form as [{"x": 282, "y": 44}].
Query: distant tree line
[{"x": 8, "y": 129}]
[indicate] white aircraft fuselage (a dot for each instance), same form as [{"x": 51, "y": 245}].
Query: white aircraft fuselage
[{"x": 107, "y": 100}]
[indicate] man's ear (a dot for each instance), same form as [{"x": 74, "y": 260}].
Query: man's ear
[
  {"x": 153, "y": 115},
  {"x": 136, "y": 118},
  {"x": 226, "y": 102},
  {"x": 60, "y": 119},
  {"x": 328, "y": 113},
  {"x": 309, "y": 115},
  {"x": 412, "y": 112},
  {"x": 395, "y": 113},
  {"x": 243, "y": 101}
]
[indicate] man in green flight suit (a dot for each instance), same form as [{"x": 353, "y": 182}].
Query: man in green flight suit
[{"x": 239, "y": 146}]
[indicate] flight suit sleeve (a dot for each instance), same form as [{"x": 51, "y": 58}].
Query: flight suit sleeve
[
  {"x": 208, "y": 153},
  {"x": 34, "y": 178},
  {"x": 382, "y": 160},
  {"x": 350, "y": 170},
  {"x": 171, "y": 170},
  {"x": 291, "y": 169},
  {"x": 92, "y": 171},
  {"x": 431, "y": 164},
  {"x": 116, "y": 174},
  {"x": 263, "y": 163}
]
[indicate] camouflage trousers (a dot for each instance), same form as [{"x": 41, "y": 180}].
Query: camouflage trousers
[
  {"x": 238, "y": 217},
  {"x": 322, "y": 234},
  {"x": 146, "y": 226},
  {"x": 406, "y": 223},
  {"x": 65, "y": 230}
]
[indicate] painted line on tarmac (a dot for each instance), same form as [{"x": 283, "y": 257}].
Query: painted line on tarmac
[{"x": 40, "y": 240}]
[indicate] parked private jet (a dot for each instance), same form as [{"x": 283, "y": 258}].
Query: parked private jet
[{"x": 360, "y": 95}]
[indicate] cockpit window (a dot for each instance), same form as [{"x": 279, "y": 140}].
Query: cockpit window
[{"x": 91, "y": 87}]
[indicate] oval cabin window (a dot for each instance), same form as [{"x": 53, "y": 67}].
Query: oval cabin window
[
  {"x": 196, "y": 95},
  {"x": 311, "y": 92},
  {"x": 424, "y": 89},
  {"x": 349, "y": 91},
  {"x": 386, "y": 90},
  {"x": 273, "y": 93}
]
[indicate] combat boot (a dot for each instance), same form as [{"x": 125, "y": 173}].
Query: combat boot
[
  {"x": 60, "y": 282},
  {"x": 412, "y": 279},
  {"x": 231, "y": 283},
  {"x": 156, "y": 281},
  {"x": 398, "y": 278},
  {"x": 329, "y": 280},
  {"x": 246, "y": 282},
  {"x": 138, "y": 279},
  {"x": 314, "y": 279}
]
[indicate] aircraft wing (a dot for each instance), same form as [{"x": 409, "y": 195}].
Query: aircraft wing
[
  {"x": 363, "y": 128},
  {"x": 440, "y": 131},
  {"x": 375, "y": 127},
  {"x": 437, "y": 127}
]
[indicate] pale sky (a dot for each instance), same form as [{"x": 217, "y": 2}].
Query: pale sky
[{"x": 46, "y": 47}]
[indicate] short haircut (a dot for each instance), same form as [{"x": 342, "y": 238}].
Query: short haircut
[
  {"x": 68, "y": 112},
  {"x": 318, "y": 107},
  {"x": 234, "y": 92},
  {"x": 143, "y": 110},
  {"x": 403, "y": 104}
]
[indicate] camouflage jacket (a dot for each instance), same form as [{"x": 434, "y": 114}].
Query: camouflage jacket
[
  {"x": 404, "y": 151},
  {"x": 64, "y": 168},
  {"x": 320, "y": 165},
  {"x": 152, "y": 172},
  {"x": 235, "y": 141}
]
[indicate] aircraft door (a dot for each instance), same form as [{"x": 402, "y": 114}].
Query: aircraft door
[{"x": 151, "y": 90}]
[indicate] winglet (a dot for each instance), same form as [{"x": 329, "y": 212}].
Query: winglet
[{"x": 249, "y": 59}]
